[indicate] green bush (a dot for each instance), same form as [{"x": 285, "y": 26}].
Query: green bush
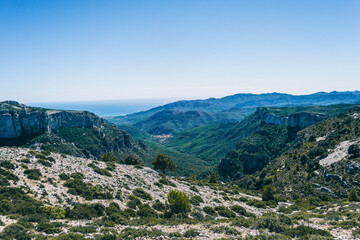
[
  {"x": 213, "y": 178},
  {"x": 166, "y": 181},
  {"x": 77, "y": 175},
  {"x": 191, "y": 233},
  {"x": 353, "y": 196},
  {"x": 210, "y": 211},
  {"x": 238, "y": 209},
  {"x": 85, "y": 211},
  {"x": 44, "y": 162},
  {"x": 34, "y": 174},
  {"x": 179, "y": 202},
  {"x": 157, "y": 205},
  {"x": 163, "y": 163},
  {"x": 64, "y": 176},
  {"x": 87, "y": 190},
  {"x": 146, "y": 211},
  {"x": 268, "y": 193},
  {"x": 15, "y": 231},
  {"x": 101, "y": 171},
  {"x": 7, "y": 164},
  {"x": 133, "y": 160},
  {"x": 196, "y": 200},
  {"x": 108, "y": 157},
  {"x": 193, "y": 188},
  {"x": 139, "y": 192}
]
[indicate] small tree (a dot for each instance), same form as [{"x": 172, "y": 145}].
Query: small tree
[
  {"x": 353, "y": 196},
  {"x": 268, "y": 193},
  {"x": 133, "y": 160},
  {"x": 163, "y": 163},
  {"x": 179, "y": 202},
  {"x": 213, "y": 178},
  {"x": 108, "y": 157}
]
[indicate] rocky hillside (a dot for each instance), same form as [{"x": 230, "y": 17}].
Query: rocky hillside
[
  {"x": 276, "y": 134},
  {"x": 18, "y": 120},
  {"x": 52, "y": 196},
  {"x": 77, "y": 133}
]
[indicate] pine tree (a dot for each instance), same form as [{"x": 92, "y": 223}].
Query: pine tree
[
  {"x": 213, "y": 178},
  {"x": 353, "y": 196},
  {"x": 163, "y": 163}
]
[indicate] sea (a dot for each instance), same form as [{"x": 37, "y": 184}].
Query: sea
[{"x": 107, "y": 108}]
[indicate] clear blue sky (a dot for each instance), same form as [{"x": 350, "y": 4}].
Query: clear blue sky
[{"x": 91, "y": 50}]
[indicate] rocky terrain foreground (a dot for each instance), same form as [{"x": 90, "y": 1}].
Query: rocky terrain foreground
[{"x": 46, "y": 195}]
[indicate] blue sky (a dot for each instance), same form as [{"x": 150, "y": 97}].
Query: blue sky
[{"x": 102, "y": 50}]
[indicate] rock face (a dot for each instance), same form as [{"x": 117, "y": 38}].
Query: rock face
[
  {"x": 297, "y": 120},
  {"x": 18, "y": 120}
]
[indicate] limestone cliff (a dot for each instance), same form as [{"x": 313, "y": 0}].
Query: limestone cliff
[
  {"x": 17, "y": 120},
  {"x": 296, "y": 120}
]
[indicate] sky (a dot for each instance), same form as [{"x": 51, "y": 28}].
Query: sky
[{"x": 72, "y": 50}]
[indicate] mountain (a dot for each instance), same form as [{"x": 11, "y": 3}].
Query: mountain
[
  {"x": 212, "y": 142},
  {"x": 321, "y": 161},
  {"x": 78, "y": 133},
  {"x": 174, "y": 121},
  {"x": 242, "y": 104},
  {"x": 50, "y": 196}
]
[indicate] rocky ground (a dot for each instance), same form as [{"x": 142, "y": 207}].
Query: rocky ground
[{"x": 124, "y": 179}]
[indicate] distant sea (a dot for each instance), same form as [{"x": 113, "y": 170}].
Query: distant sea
[{"x": 107, "y": 108}]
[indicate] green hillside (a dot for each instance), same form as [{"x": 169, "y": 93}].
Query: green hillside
[
  {"x": 321, "y": 162},
  {"x": 212, "y": 142}
]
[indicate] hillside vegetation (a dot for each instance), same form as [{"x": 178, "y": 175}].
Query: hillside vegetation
[{"x": 51, "y": 196}]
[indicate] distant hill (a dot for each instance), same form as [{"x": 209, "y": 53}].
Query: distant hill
[
  {"x": 212, "y": 142},
  {"x": 181, "y": 115}
]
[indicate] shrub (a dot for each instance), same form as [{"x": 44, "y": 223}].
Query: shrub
[
  {"x": 179, "y": 202},
  {"x": 193, "y": 188},
  {"x": 7, "y": 164},
  {"x": 108, "y": 157},
  {"x": 191, "y": 233},
  {"x": 85, "y": 211},
  {"x": 238, "y": 209},
  {"x": 353, "y": 196},
  {"x": 44, "y": 162},
  {"x": 133, "y": 160},
  {"x": 166, "y": 181},
  {"x": 163, "y": 163},
  {"x": 134, "y": 202},
  {"x": 196, "y": 200},
  {"x": 226, "y": 213},
  {"x": 101, "y": 171},
  {"x": 139, "y": 192},
  {"x": 213, "y": 178},
  {"x": 87, "y": 190},
  {"x": 146, "y": 211},
  {"x": 210, "y": 211},
  {"x": 34, "y": 174},
  {"x": 77, "y": 175},
  {"x": 354, "y": 150},
  {"x": 25, "y": 160},
  {"x": 268, "y": 193},
  {"x": 64, "y": 176},
  {"x": 302, "y": 230},
  {"x": 15, "y": 231},
  {"x": 157, "y": 205}
]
